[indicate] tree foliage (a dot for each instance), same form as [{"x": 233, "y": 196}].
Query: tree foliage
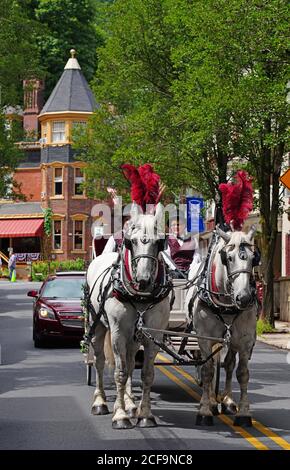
[
  {"x": 66, "y": 24},
  {"x": 198, "y": 88},
  {"x": 18, "y": 60}
]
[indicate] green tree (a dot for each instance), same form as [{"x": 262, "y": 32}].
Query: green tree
[
  {"x": 66, "y": 24},
  {"x": 231, "y": 97},
  {"x": 198, "y": 88},
  {"x": 133, "y": 83},
  {"x": 18, "y": 60}
]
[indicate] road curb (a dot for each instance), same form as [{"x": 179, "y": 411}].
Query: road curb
[{"x": 285, "y": 345}]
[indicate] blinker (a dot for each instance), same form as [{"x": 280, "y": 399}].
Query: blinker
[
  {"x": 127, "y": 243},
  {"x": 223, "y": 257},
  {"x": 242, "y": 252}
]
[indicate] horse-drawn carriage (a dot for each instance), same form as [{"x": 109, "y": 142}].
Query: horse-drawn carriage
[
  {"x": 130, "y": 293},
  {"x": 181, "y": 346}
]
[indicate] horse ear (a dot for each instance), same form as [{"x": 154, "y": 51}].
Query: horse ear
[
  {"x": 251, "y": 233},
  {"x": 135, "y": 211},
  {"x": 225, "y": 236},
  {"x": 159, "y": 217}
]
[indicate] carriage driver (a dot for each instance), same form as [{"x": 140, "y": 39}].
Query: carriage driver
[{"x": 182, "y": 249}]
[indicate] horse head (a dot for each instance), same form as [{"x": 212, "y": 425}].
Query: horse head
[
  {"x": 237, "y": 256},
  {"x": 145, "y": 240}
]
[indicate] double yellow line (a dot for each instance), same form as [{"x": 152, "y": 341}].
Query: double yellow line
[{"x": 254, "y": 441}]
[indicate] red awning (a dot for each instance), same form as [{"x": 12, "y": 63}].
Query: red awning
[{"x": 16, "y": 228}]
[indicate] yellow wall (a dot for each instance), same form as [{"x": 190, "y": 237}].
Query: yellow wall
[{"x": 69, "y": 117}]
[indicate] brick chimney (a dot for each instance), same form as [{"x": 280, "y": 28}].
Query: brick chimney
[{"x": 33, "y": 103}]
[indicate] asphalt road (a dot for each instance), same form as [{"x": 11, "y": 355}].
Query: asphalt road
[{"x": 45, "y": 402}]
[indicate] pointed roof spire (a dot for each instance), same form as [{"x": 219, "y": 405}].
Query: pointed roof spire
[
  {"x": 72, "y": 62},
  {"x": 72, "y": 92}
]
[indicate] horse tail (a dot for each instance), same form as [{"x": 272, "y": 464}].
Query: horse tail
[{"x": 108, "y": 350}]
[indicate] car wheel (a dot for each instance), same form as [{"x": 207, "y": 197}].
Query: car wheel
[{"x": 39, "y": 341}]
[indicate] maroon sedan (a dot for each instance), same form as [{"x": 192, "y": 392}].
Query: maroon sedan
[{"x": 57, "y": 310}]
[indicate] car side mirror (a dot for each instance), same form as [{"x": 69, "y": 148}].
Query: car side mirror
[{"x": 32, "y": 293}]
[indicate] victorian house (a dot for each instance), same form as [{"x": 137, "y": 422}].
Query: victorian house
[{"x": 50, "y": 175}]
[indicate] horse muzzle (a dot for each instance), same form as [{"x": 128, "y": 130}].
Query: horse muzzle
[
  {"x": 244, "y": 300},
  {"x": 144, "y": 284}
]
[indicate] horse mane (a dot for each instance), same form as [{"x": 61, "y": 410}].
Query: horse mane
[
  {"x": 144, "y": 184},
  {"x": 237, "y": 199}
]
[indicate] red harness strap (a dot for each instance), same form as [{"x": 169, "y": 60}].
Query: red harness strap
[
  {"x": 128, "y": 273},
  {"x": 127, "y": 265},
  {"x": 214, "y": 287}
]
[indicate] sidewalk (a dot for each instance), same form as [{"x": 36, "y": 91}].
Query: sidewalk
[{"x": 280, "y": 339}]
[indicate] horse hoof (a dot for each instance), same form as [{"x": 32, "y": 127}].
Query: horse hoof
[
  {"x": 122, "y": 424},
  {"x": 100, "y": 410},
  {"x": 244, "y": 421},
  {"x": 131, "y": 413},
  {"x": 229, "y": 409},
  {"x": 146, "y": 422},
  {"x": 215, "y": 410},
  {"x": 204, "y": 420}
]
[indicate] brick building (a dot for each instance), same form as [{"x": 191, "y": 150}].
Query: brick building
[{"x": 50, "y": 176}]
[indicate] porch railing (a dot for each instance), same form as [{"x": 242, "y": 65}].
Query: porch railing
[{"x": 4, "y": 257}]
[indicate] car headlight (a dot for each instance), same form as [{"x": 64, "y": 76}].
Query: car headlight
[{"x": 46, "y": 313}]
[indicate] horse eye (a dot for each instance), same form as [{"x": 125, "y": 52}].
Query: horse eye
[{"x": 230, "y": 258}]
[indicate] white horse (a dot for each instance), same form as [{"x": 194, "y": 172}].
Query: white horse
[
  {"x": 141, "y": 276},
  {"x": 231, "y": 310}
]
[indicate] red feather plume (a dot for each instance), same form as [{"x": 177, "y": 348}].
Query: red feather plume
[
  {"x": 144, "y": 184},
  {"x": 237, "y": 199},
  {"x": 151, "y": 183},
  {"x": 137, "y": 185}
]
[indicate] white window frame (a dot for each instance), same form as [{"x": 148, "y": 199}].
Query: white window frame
[
  {"x": 57, "y": 135},
  {"x": 83, "y": 234},
  {"x": 57, "y": 179},
  {"x": 78, "y": 180},
  {"x": 54, "y": 248},
  {"x": 79, "y": 123}
]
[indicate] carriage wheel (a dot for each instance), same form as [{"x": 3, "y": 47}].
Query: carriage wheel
[{"x": 89, "y": 374}]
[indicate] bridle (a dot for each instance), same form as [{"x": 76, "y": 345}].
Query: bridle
[
  {"x": 127, "y": 244},
  {"x": 243, "y": 255}
]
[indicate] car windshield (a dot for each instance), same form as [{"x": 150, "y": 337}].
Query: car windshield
[{"x": 70, "y": 288}]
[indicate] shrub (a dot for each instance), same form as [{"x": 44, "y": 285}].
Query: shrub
[
  {"x": 5, "y": 272},
  {"x": 41, "y": 269},
  {"x": 264, "y": 327}
]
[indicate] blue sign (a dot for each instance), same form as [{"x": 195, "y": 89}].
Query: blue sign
[{"x": 195, "y": 221}]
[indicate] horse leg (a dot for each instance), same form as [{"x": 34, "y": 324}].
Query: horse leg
[
  {"x": 243, "y": 417},
  {"x": 120, "y": 419},
  {"x": 144, "y": 415},
  {"x": 130, "y": 405},
  {"x": 99, "y": 406},
  {"x": 213, "y": 396},
  {"x": 205, "y": 415},
  {"x": 228, "y": 404}
]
